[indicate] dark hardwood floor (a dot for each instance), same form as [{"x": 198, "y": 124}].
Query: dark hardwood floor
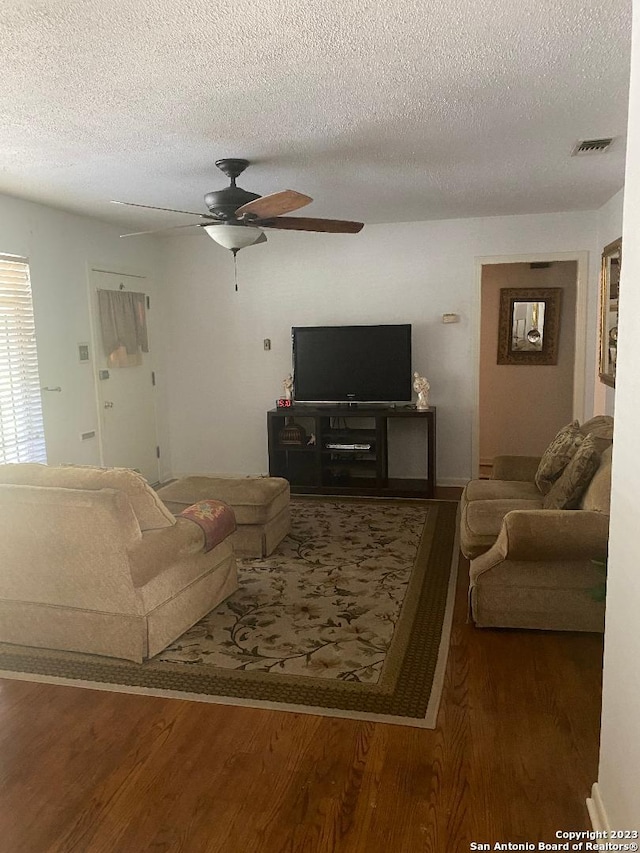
[{"x": 512, "y": 759}]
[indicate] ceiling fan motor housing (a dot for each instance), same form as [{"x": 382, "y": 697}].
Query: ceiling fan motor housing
[{"x": 224, "y": 203}]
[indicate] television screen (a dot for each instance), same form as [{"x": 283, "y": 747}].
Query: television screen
[{"x": 336, "y": 364}]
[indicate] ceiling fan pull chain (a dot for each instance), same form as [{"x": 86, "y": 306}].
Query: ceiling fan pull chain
[{"x": 235, "y": 267}]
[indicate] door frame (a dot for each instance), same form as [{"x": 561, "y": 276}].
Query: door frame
[
  {"x": 580, "y": 351},
  {"x": 96, "y": 340}
]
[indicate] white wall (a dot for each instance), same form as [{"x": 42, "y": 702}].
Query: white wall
[
  {"x": 60, "y": 248},
  {"x": 610, "y": 220},
  {"x": 221, "y": 381},
  {"x": 619, "y": 773},
  {"x": 609, "y": 229}
]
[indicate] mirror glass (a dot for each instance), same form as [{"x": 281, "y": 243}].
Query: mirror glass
[{"x": 527, "y": 327}]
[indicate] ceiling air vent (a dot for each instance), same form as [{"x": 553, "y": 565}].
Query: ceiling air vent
[{"x": 592, "y": 146}]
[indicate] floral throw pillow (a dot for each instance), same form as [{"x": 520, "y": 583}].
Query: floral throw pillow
[
  {"x": 557, "y": 456},
  {"x": 216, "y": 519},
  {"x": 572, "y": 483}
]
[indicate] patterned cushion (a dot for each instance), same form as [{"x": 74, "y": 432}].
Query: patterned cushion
[
  {"x": 557, "y": 456},
  {"x": 215, "y": 518},
  {"x": 600, "y": 426},
  {"x": 574, "y": 480}
]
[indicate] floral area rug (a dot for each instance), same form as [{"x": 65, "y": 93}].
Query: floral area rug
[
  {"x": 348, "y": 617},
  {"x": 325, "y": 605}
]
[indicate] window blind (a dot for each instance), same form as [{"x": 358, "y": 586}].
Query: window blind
[{"x": 21, "y": 427}]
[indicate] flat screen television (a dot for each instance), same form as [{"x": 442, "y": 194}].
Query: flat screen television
[{"x": 348, "y": 364}]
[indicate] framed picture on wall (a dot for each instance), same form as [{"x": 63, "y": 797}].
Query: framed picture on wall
[
  {"x": 529, "y": 325},
  {"x": 609, "y": 293}
]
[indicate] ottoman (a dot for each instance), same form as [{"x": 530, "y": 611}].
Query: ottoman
[{"x": 260, "y": 505}]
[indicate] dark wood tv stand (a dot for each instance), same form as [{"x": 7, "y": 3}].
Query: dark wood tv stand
[{"x": 358, "y": 465}]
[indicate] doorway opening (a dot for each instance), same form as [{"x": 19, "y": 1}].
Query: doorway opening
[{"x": 521, "y": 406}]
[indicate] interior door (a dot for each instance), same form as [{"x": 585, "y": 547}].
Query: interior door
[{"x": 125, "y": 395}]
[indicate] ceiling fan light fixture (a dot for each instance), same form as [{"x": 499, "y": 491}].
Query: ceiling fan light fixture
[{"x": 233, "y": 236}]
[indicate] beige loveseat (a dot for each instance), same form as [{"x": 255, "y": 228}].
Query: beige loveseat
[
  {"x": 533, "y": 567},
  {"x": 92, "y": 561}
]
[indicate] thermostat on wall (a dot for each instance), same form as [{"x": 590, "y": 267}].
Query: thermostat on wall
[{"x": 450, "y": 318}]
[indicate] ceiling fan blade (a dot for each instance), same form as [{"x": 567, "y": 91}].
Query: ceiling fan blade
[
  {"x": 301, "y": 223},
  {"x": 169, "y": 209},
  {"x": 169, "y": 228},
  {"x": 274, "y": 204}
]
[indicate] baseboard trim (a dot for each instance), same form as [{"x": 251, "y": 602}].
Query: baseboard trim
[
  {"x": 442, "y": 481},
  {"x": 179, "y": 475},
  {"x": 597, "y": 811}
]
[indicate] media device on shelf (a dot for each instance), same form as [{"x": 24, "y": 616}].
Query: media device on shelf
[{"x": 352, "y": 364}]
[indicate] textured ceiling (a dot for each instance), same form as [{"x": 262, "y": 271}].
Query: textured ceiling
[{"x": 386, "y": 111}]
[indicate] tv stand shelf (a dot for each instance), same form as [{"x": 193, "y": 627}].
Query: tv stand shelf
[{"x": 359, "y": 465}]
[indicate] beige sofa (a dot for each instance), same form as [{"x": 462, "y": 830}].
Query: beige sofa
[
  {"x": 533, "y": 567},
  {"x": 92, "y": 561}
]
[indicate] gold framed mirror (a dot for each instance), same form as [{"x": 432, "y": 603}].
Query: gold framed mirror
[
  {"x": 609, "y": 294},
  {"x": 529, "y": 325}
]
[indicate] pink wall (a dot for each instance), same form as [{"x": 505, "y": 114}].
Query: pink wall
[{"x": 522, "y": 406}]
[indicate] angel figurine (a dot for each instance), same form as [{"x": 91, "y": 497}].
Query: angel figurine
[
  {"x": 287, "y": 387},
  {"x": 421, "y": 387}
]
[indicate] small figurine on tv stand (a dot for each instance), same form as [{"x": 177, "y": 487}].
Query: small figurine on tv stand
[
  {"x": 287, "y": 387},
  {"x": 421, "y": 387}
]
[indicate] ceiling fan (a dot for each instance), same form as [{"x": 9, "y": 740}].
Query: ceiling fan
[{"x": 236, "y": 217}]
